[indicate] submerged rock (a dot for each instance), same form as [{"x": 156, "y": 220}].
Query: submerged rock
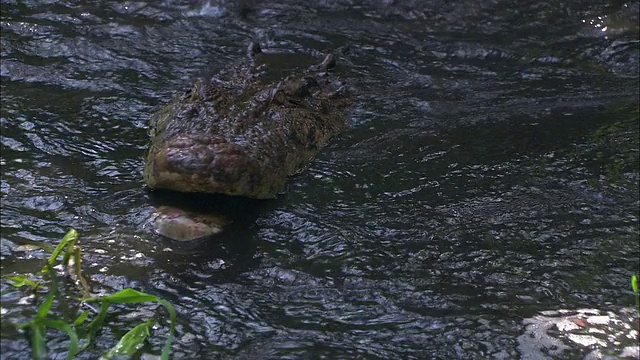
[{"x": 598, "y": 334}]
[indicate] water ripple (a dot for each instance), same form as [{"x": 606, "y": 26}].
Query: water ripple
[{"x": 488, "y": 175}]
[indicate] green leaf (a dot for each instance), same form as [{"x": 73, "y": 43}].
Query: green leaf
[
  {"x": 38, "y": 341},
  {"x": 21, "y": 281},
  {"x": 73, "y": 336},
  {"x": 44, "y": 309},
  {"x": 634, "y": 283},
  {"x": 130, "y": 296},
  {"x": 70, "y": 238},
  {"x": 96, "y": 324},
  {"x": 82, "y": 318},
  {"x": 126, "y": 296},
  {"x": 131, "y": 342},
  {"x": 84, "y": 282},
  {"x": 166, "y": 349}
]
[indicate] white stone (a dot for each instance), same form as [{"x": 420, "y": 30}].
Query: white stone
[
  {"x": 585, "y": 340},
  {"x": 632, "y": 352},
  {"x": 598, "y": 320},
  {"x": 567, "y": 325}
]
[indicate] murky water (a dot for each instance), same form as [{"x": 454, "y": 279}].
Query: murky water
[{"x": 489, "y": 175}]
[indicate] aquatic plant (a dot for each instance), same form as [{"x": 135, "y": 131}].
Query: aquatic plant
[
  {"x": 634, "y": 286},
  {"x": 81, "y": 332}
]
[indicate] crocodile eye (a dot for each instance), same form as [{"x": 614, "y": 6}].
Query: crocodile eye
[
  {"x": 302, "y": 88},
  {"x": 328, "y": 63},
  {"x": 278, "y": 97}
]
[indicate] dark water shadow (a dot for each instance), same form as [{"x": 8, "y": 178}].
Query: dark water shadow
[
  {"x": 235, "y": 208},
  {"x": 226, "y": 253}
]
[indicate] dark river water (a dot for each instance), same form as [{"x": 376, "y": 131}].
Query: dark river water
[{"x": 488, "y": 179}]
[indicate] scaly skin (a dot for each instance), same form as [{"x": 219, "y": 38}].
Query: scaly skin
[{"x": 238, "y": 135}]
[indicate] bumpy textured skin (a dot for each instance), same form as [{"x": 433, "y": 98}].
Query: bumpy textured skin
[{"x": 240, "y": 135}]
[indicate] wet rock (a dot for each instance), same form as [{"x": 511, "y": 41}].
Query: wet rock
[{"x": 598, "y": 334}]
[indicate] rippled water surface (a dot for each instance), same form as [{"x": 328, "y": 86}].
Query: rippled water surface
[{"x": 489, "y": 173}]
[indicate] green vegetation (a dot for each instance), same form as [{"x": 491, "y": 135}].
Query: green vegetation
[
  {"x": 634, "y": 286},
  {"x": 81, "y": 332}
]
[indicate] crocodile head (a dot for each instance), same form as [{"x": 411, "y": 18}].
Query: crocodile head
[{"x": 239, "y": 134}]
